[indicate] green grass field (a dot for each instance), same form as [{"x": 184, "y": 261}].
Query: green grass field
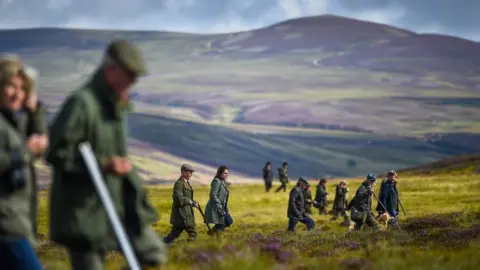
[{"x": 440, "y": 231}]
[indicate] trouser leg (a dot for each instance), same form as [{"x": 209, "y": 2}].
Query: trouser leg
[
  {"x": 175, "y": 232},
  {"x": 372, "y": 222},
  {"x": 91, "y": 260},
  {"x": 192, "y": 233},
  {"x": 18, "y": 254},
  {"x": 309, "y": 222},
  {"x": 292, "y": 224}
]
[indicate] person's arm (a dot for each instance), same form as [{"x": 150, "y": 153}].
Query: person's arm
[
  {"x": 37, "y": 120},
  {"x": 214, "y": 191},
  {"x": 351, "y": 203},
  {"x": 383, "y": 197},
  {"x": 66, "y": 132},
  {"x": 319, "y": 194},
  {"x": 293, "y": 197},
  {"x": 388, "y": 198}
]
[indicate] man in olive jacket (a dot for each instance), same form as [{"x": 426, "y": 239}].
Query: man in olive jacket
[
  {"x": 97, "y": 113},
  {"x": 182, "y": 217},
  {"x": 321, "y": 200},
  {"x": 362, "y": 207},
  {"x": 296, "y": 207}
]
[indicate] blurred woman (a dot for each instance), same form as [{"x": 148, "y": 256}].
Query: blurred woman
[
  {"x": 216, "y": 211},
  {"x": 16, "y": 234}
]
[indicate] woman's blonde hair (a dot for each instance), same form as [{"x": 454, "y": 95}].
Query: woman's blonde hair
[
  {"x": 8, "y": 69},
  {"x": 11, "y": 65},
  {"x": 29, "y": 76},
  {"x": 342, "y": 182}
]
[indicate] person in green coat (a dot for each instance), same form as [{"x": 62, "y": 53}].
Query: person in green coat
[
  {"x": 361, "y": 211},
  {"x": 283, "y": 177},
  {"x": 97, "y": 113},
  {"x": 30, "y": 122},
  {"x": 216, "y": 211},
  {"x": 307, "y": 194},
  {"x": 321, "y": 201},
  {"x": 182, "y": 217},
  {"x": 340, "y": 203},
  {"x": 17, "y": 240}
]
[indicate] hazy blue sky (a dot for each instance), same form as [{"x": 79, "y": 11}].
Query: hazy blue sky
[{"x": 454, "y": 17}]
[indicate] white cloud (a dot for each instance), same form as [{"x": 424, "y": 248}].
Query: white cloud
[{"x": 214, "y": 16}]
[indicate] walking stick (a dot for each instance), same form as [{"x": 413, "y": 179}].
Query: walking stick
[
  {"x": 383, "y": 206},
  {"x": 94, "y": 170},
  {"x": 401, "y": 206},
  {"x": 203, "y": 216}
]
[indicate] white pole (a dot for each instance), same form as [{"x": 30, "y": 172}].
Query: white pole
[{"x": 94, "y": 170}]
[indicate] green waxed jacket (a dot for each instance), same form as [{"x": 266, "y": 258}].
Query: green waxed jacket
[
  {"x": 182, "y": 210},
  {"x": 218, "y": 201},
  {"x": 77, "y": 217},
  {"x": 14, "y": 203}
]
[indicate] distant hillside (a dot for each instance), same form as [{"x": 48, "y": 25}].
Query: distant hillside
[
  {"x": 464, "y": 164},
  {"x": 331, "y": 95},
  {"x": 353, "y": 43}
]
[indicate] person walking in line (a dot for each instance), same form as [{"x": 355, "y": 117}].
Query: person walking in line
[
  {"x": 182, "y": 216},
  {"x": 216, "y": 211},
  {"x": 268, "y": 176}
]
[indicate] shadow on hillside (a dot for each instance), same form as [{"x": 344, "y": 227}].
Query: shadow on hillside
[{"x": 309, "y": 155}]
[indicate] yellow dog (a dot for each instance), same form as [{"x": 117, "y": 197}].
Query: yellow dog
[{"x": 384, "y": 219}]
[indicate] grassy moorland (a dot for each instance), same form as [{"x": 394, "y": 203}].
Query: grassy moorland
[{"x": 440, "y": 231}]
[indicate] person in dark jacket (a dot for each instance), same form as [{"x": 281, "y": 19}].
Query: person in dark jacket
[
  {"x": 268, "y": 176},
  {"x": 182, "y": 216},
  {"x": 388, "y": 196},
  {"x": 296, "y": 207},
  {"x": 307, "y": 195},
  {"x": 283, "y": 177},
  {"x": 321, "y": 201},
  {"x": 340, "y": 203},
  {"x": 362, "y": 206}
]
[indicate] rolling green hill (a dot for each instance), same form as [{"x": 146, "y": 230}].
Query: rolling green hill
[{"x": 458, "y": 165}]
